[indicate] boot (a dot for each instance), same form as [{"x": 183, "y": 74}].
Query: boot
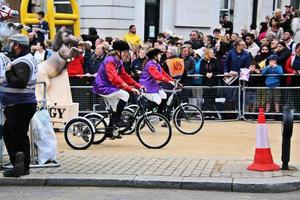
[{"x": 118, "y": 121}]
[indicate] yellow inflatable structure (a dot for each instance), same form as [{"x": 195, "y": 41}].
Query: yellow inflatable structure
[{"x": 54, "y": 19}]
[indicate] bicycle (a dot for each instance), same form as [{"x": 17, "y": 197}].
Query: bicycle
[
  {"x": 187, "y": 118},
  {"x": 148, "y": 127}
]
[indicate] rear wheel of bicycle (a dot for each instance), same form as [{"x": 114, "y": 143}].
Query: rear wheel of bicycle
[
  {"x": 188, "y": 119},
  {"x": 99, "y": 124},
  {"x": 153, "y": 130},
  {"x": 79, "y": 133}
]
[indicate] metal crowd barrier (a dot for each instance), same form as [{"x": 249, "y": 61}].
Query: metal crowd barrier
[
  {"x": 217, "y": 102},
  {"x": 34, "y": 155}
]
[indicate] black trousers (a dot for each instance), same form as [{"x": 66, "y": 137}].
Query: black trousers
[{"x": 15, "y": 128}]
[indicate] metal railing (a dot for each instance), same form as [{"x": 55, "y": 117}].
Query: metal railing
[{"x": 219, "y": 102}]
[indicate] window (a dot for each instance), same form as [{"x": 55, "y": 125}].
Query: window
[
  {"x": 295, "y": 4},
  {"x": 227, "y": 7},
  {"x": 62, "y": 6}
]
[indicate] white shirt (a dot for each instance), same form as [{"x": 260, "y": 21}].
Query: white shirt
[{"x": 39, "y": 57}]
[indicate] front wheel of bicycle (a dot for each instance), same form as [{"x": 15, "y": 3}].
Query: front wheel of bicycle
[
  {"x": 153, "y": 130},
  {"x": 79, "y": 133},
  {"x": 188, "y": 119}
]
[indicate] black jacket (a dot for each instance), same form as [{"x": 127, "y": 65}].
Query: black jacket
[{"x": 210, "y": 67}]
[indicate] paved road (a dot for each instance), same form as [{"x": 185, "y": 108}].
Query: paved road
[
  {"x": 217, "y": 140},
  {"x": 88, "y": 193}
]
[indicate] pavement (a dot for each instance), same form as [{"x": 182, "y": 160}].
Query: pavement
[{"x": 167, "y": 168}]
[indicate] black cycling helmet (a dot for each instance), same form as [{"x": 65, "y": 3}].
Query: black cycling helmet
[
  {"x": 120, "y": 45},
  {"x": 153, "y": 52}
]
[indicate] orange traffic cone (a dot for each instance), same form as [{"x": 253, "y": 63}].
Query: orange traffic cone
[{"x": 263, "y": 160}]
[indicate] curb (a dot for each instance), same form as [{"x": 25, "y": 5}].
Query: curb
[{"x": 249, "y": 185}]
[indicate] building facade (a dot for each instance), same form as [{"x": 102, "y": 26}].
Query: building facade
[{"x": 113, "y": 17}]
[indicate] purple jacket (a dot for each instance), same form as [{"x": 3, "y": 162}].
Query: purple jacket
[
  {"x": 102, "y": 84},
  {"x": 147, "y": 80}
]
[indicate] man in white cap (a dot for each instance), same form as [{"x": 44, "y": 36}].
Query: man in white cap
[{"x": 17, "y": 96}]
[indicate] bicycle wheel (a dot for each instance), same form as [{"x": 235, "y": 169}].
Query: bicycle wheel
[
  {"x": 153, "y": 130},
  {"x": 79, "y": 133},
  {"x": 99, "y": 124},
  {"x": 188, "y": 119}
]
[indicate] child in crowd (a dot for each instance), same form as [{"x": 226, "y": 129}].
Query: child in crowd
[{"x": 272, "y": 94}]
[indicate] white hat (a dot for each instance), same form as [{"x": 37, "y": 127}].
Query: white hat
[{"x": 88, "y": 42}]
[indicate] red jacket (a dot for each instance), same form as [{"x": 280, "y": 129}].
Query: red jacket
[
  {"x": 120, "y": 79},
  {"x": 75, "y": 67},
  {"x": 289, "y": 69}
]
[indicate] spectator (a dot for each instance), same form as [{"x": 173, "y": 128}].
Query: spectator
[
  {"x": 189, "y": 63},
  {"x": 273, "y": 96},
  {"x": 251, "y": 101},
  {"x": 197, "y": 81},
  {"x": 265, "y": 42},
  {"x": 209, "y": 41},
  {"x": 216, "y": 32},
  {"x": 285, "y": 23},
  {"x": 99, "y": 41},
  {"x": 283, "y": 53},
  {"x": 41, "y": 53},
  {"x": 48, "y": 45},
  {"x": 76, "y": 68},
  {"x": 234, "y": 37},
  {"x": 132, "y": 38},
  {"x": 222, "y": 47},
  {"x": 195, "y": 40},
  {"x": 174, "y": 67},
  {"x": 227, "y": 24},
  {"x": 261, "y": 58},
  {"x": 296, "y": 26},
  {"x": 274, "y": 45},
  {"x": 288, "y": 39},
  {"x": 97, "y": 58},
  {"x": 136, "y": 66},
  {"x": 236, "y": 59},
  {"x": 275, "y": 30},
  {"x": 17, "y": 96},
  {"x": 43, "y": 28},
  {"x": 292, "y": 66},
  {"x": 263, "y": 31},
  {"x": 209, "y": 68},
  {"x": 252, "y": 47},
  {"x": 91, "y": 36}
]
